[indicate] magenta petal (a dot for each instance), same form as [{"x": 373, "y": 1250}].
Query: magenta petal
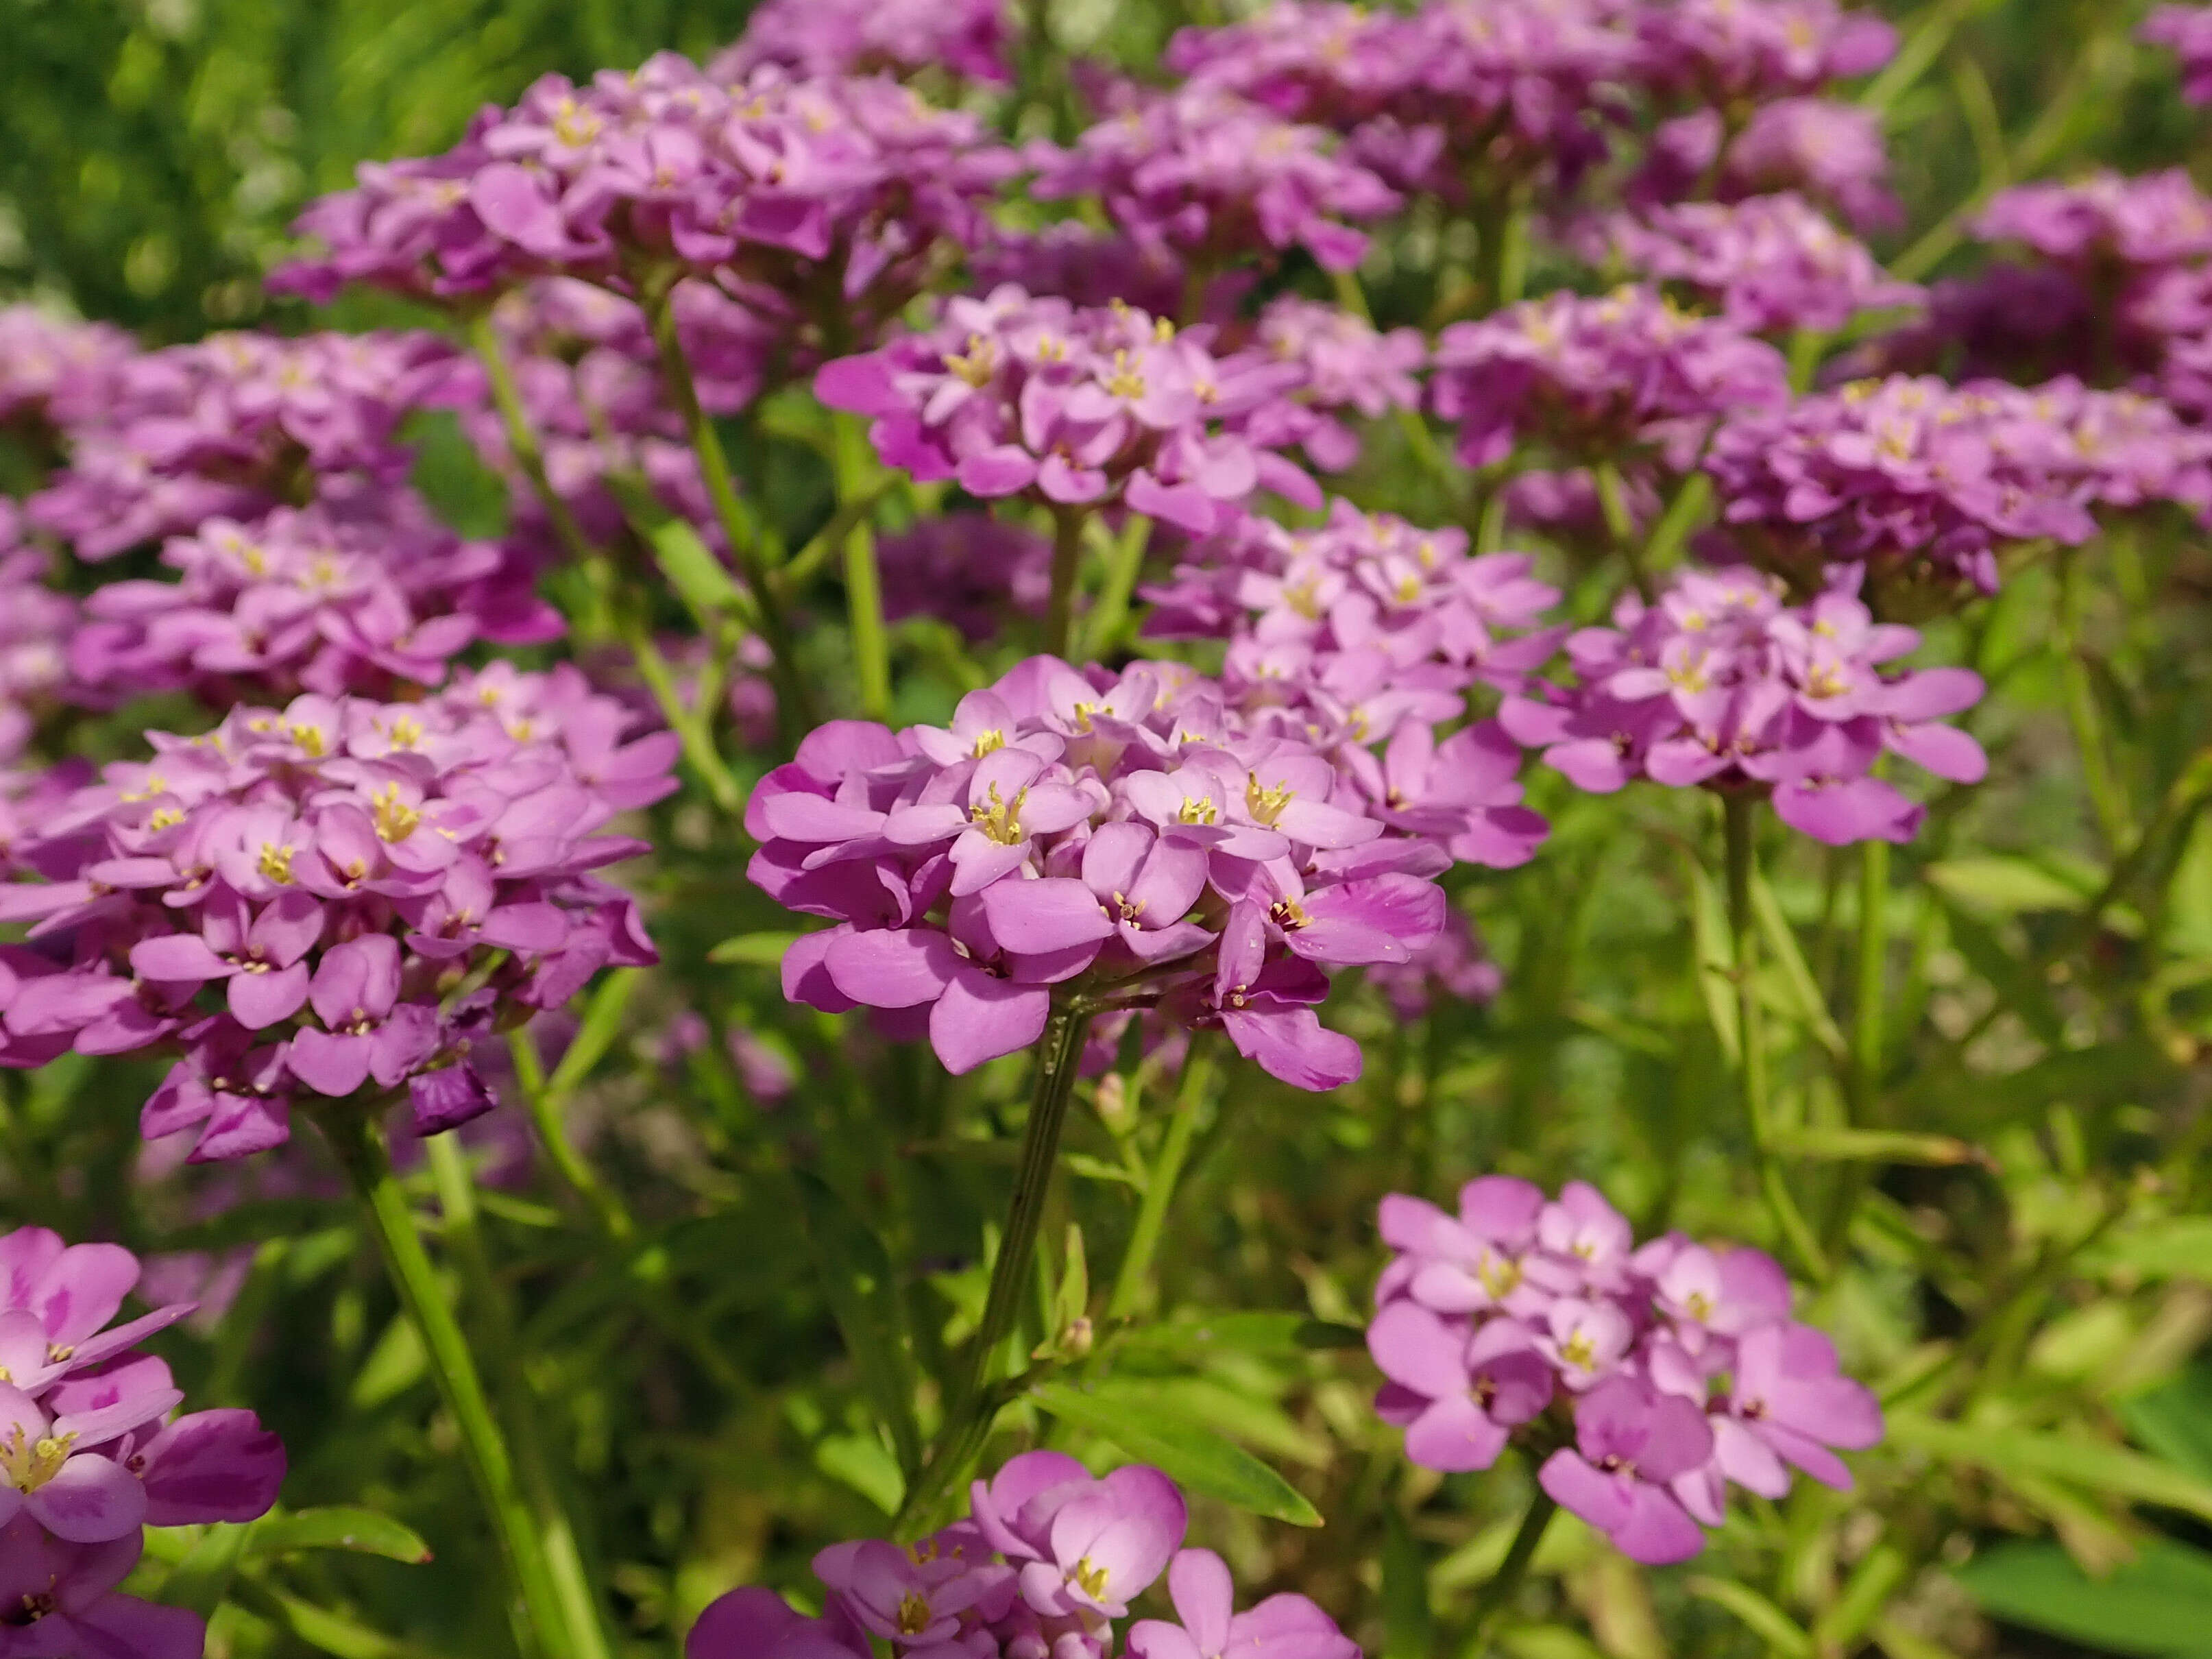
[
  {"x": 91, "y": 1500},
  {"x": 261, "y": 999},
  {"x": 980, "y": 1018},
  {"x": 329, "y": 1065},
  {"x": 1054, "y": 914},
  {"x": 1455, "y": 1437},
  {"x": 893, "y": 967}
]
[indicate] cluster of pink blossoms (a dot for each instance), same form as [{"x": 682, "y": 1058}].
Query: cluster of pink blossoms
[
  {"x": 1009, "y": 395},
  {"x": 1346, "y": 366},
  {"x": 1207, "y": 177},
  {"x": 1650, "y": 1378},
  {"x": 34, "y": 621},
  {"x": 1720, "y": 52},
  {"x": 1926, "y": 482},
  {"x": 90, "y": 1454},
  {"x": 823, "y": 201},
  {"x": 1131, "y": 838},
  {"x": 1592, "y": 378},
  {"x": 969, "y": 570},
  {"x": 54, "y": 372},
  {"x": 237, "y": 424},
  {"x": 968, "y": 38},
  {"x": 1370, "y": 631},
  {"x": 2187, "y": 32},
  {"x": 1772, "y": 263},
  {"x": 1046, "y": 1561},
  {"x": 309, "y": 898},
  {"x": 1828, "y": 151},
  {"x": 359, "y": 596},
  {"x": 1720, "y": 685}
]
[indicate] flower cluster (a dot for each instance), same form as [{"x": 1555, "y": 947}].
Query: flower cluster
[
  {"x": 1593, "y": 378},
  {"x": 1453, "y": 968},
  {"x": 53, "y": 373},
  {"x": 822, "y": 200},
  {"x": 310, "y": 898},
  {"x": 966, "y": 569},
  {"x": 89, "y": 1455},
  {"x": 1720, "y": 52},
  {"x": 237, "y": 424},
  {"x": 1206, "y": 176},
  {"x": 1046, "y": 1561},
  {"x": 1132, "y": 839},
  {"x": 1653, "y": 1378},
  {"x": 1433, "y": 98},
  {"x": 35, "y": 626},
  {"x": 1926, "y": 482},
  {"x": 1369, "y": 630},
  {"x": 1070, "y": 260},
  {"x": 1010, "y": 395},
  {"x": 1720, "y": 685},
  {"x": 1344, "y": 365},
  {"x": 968, "y": 38},
  {"x": 2187, "y": 32},
  {"x": 1830, "y": 151},
  {"x": 357, "y": 598},
  {"x": 2107, "y": 222},
  {"x": 1772, "y": 263}
]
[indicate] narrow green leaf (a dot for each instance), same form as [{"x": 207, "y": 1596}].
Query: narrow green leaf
[
  {"x": 863, "y": 1296},
  {"x": 698, "y": 577},
  {"x": 2175, "y": 1422},
  {"x": 363, "y": 1531},
  {"x": 2179, "y": 1247},
  {"x": 1269, "y": 1334},
  {"x": 202, "y": 1580},
  {"x": 1199, "y": 1459},
  {"x": 861, "y": 1463},
  {"x": 1875, "y": 1147},
  {"x": 1872, "y": 1582},
  {"x": 328, "y": 1632},
  {"x": 2000, "y": 887},
  {"x": 2098, "y": 1465},
  {"x": 595, "y": 1033},
  {"x": 753, "y": 950},
  {"x": 1715, "y": 957},
  {"x": 1783, "y": 1634},
  {"x": 1781, "y": 941},
  {"x": 2159, "y": 1606},
  {"x": 395, "y": 1364},
  {"x": 1406, "y": 1621},
  {"x": 1074, "y": 1301}
]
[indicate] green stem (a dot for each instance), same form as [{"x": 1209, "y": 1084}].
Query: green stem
[
  {"x": 545, "y": 1112},
  {"x": 864, "y": 595},
  {"x": 357, "y": 1140},
  {"x": 1737, "y": 811},
  {"x": 2107, "y": 797},
  {"x": 1612, "y": 501},
  {"x": 1067, "y": 563},
  {"x": 794, "y": 699},
  {"x": 1111, "y": 609},
  {"x": 1871, "y": 983},
  {"x": 974, "y": 1404},
  {"x": 582, "y": 1617},
  {"x": 690, "y": 724},
  {"x": 1133, "y": 1283},
  {"x": 521, "y": 440},
  {"x": 1512, "y": 1572}
]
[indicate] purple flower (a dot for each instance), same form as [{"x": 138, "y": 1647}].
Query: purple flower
[
  {"x": 56, "y": 372},
  {"x": 1630, "y": 1442},
  {"x": 2187, "y": 30},
  {"x": 1286, "y": 1626},
  {"x": 1676, "y": 1366},
  {"x": 1107, "y": 1545},
  {"x": 1721, "y": 52},
  {"x": 1719, "y": 685},
  {"x": 2109, "y": 220},
  {"x": 759, "y": 1623},
  {"x": 62, "y": 1600},
  {"x": 969, "y": 38},
  {"x": 1591, "y": 377}
]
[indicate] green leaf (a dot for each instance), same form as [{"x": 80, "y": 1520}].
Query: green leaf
[
  {"x": 363, "y": 1531},
  {"x": 2179, "y": 1247},
  {"x": 1715, "y": 957},
  {"x": 1872, "y": 1583},
  {"x": 202, "y": 1580},
  {"x": 595, "y": 1033},
  {"x": 1197, "y": 1458},
  {"x": 2175, "y": 1422},
  {"x": 2001, "y": 887},
  {"x": 1781, "y": 1633},
  {"x": 394, "y": 1365},
  {"x": 698, "y": 577},
  {"x": 1074, "y": 1301},
  {"x": 862, "y": 1463},
  {"x": 2098, "y": 1465},
  {"x": 1407, "y": 1621},
  {"x": 318, "y": 1628},
  {"x": 1282, "y": 1335},
  {"x": 1875, "y": 1146},
  {"x": 863, "y": 1296},
  {"x": 2159, "y": 1606},
  {"x": 754, "y": 950},
  {"x": 1781, "y": 940}
]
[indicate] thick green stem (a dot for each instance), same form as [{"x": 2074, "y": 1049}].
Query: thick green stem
[
  {"x": 1871, "y": 981},
  {"x": 795, "y": 701},
  {"x": 1111, "y": 611},
  {"x": 1737, "y": 810},
  {"x": 864, "y": 595},
  {"x": 572, "y": 1581},
  {"x": 1066, "y": 564},
  {"x": 545, "y": 1112},
  {"x": 969, "y": 1413},
  {"x": 357, "y": 1140},
  {"x": 1612, "y": 501},
  {"x": 1512, "y": 1572},
  {"x": 1132, "y": 1284}
]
